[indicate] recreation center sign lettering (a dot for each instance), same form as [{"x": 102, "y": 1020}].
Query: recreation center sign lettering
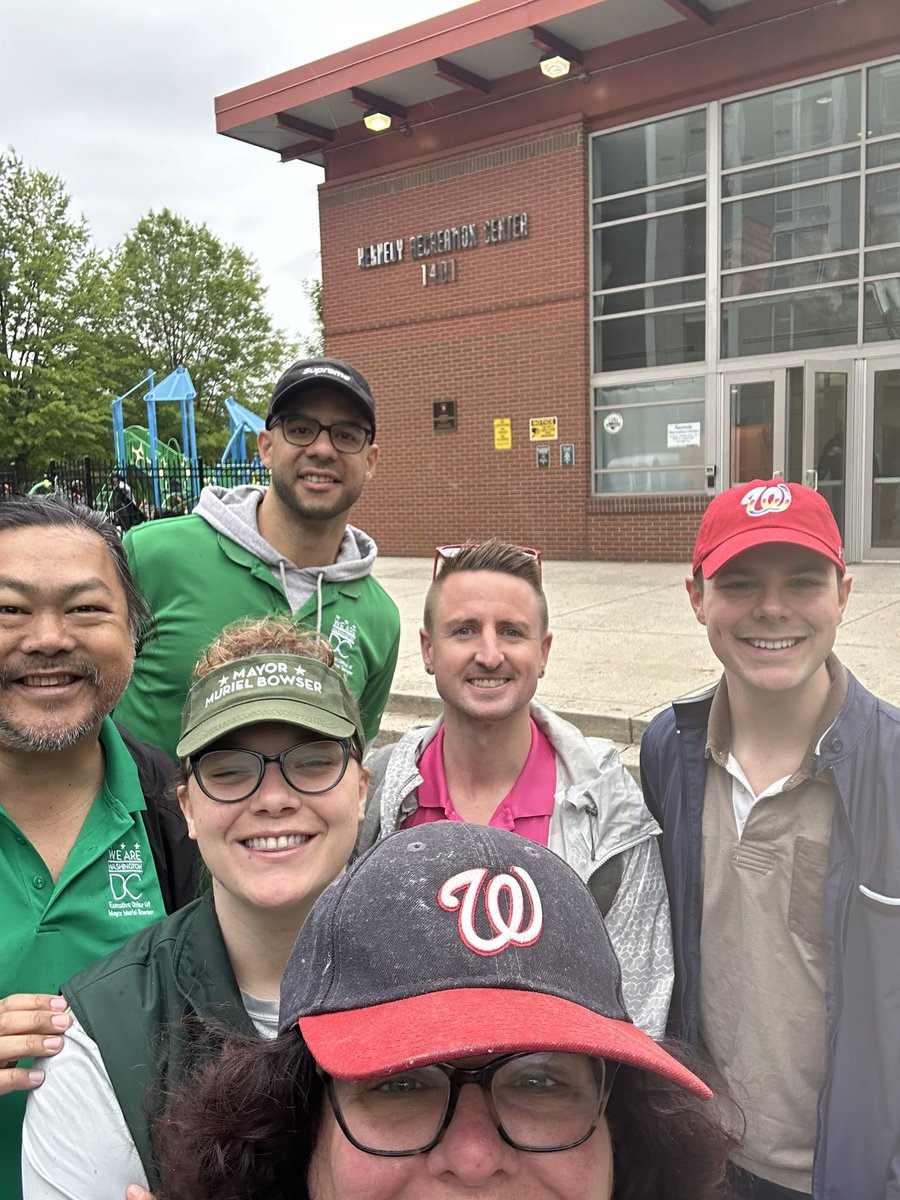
[{"x": 450, "y": 240}]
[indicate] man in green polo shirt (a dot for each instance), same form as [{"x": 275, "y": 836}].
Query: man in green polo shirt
[{"x": 90, "y": 851}]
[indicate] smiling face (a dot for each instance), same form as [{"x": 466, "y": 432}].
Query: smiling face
[
  {"x": 487, "y": 646},
  {"x": 771, "y": 615},
  {"x": 471, "y": 1158},
  {"x": 317, "y": 482},
  {"x": 279, "y": 848},
  {"x": 66, "y": 650}
]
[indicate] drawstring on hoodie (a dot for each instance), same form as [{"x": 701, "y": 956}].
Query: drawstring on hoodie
[{"x": 320, "y": 575}]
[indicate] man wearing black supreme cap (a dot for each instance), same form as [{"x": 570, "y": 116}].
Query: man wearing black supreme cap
[{"x": 252, "y": 551}]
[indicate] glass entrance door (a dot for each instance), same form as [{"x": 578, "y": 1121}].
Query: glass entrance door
[
  {"x": 757, "y": 424},
  {"x": 882, "y": 520},
  {"x": 825, "y": 392}
]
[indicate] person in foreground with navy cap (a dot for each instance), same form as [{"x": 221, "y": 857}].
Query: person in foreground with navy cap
[
  {"x": 439, "y": 1038},
  {"x": 777, "y": 794},
  {"x": 253, "y": 551}
]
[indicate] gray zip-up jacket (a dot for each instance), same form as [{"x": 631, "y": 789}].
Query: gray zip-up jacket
[{"x": 598, "y": 813}]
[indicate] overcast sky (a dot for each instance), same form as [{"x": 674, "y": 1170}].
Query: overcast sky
[{"x": 116, "y": 97}]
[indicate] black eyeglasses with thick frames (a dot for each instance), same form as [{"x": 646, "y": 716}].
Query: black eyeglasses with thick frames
[
  {"x": 539, "y": 1102},
  {"x": 309, "y": 767},
  {"x": 346, "y": 436}
]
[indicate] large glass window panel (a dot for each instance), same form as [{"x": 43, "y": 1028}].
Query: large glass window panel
[
  {"x": 880, "y": 262},
  {"x": 653, "y": 449},
  {"x": 662, "y": 296},
  {"x": 782, "y": 124},
  {"x": 654, "y": 391},
  {"x": 641, "y": 203},
  {"x": 883, "y": 208},
  {"x": 803, "y": 170},
  {"x": 883, "y": 154},
  {"x": 798, "y": 321},
  {"x": 881, "y": 311},
  {"x": 650, "y": 340},
  {"x": 774, "y": 279},
  {"x": 644, "y": 155},
  {"x": 655, "y": 249},
  {"x": 819, "y": 219},
  {"x": 884, "y": 99}
]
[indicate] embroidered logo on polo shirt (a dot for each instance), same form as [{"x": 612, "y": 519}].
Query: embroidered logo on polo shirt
[
  {"x": 774, "y": 498},
  {"x": 504, "y": 906},
  {"x": 126, "y": 869},
  {"x": 343, "y": 639}
]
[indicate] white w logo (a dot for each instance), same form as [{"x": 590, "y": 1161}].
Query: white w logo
[{"x": 507, "y": 930}]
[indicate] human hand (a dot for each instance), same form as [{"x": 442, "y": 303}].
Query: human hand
[
  {"x": 31, "y": 1026},
  {"x": 134, "y": 1191}
]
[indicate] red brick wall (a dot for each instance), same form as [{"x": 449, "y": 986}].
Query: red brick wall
[{"x": 509, "y": 338}]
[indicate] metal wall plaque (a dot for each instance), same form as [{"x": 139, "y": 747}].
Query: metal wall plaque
[{"x": 444, "y": 415}]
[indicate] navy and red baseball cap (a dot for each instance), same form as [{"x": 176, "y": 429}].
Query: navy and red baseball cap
[
  {"x": 762, "y": 512},
  {"x": 454, "y": 940},
  {"x": 322, "y": 372}
]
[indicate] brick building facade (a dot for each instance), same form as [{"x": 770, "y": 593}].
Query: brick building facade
[{"x": 638, "y": 250}]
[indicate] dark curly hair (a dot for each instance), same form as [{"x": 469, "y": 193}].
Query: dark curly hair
[{"x": 246, "y": 1124}]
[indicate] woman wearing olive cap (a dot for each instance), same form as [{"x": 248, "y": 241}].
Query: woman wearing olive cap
[{"x": 272, "y": 788}]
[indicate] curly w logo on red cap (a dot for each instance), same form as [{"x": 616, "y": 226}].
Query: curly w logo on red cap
[
  {"x": 508, "y": 929},
  {"x": 772, "y": 498}
]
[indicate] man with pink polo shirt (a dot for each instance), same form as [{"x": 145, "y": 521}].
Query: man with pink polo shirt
[
  {"x": 498, "y": 757},
  {"x": 777, "y": 794}
]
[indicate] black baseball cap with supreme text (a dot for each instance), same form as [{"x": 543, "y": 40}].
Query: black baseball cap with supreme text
[
  {"x": 322, "y": 372},
  {"x": 454, "y": 940},
  {"x": 268, "y": 687}
]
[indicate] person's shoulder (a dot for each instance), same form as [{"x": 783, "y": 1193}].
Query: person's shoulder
[
  {"x": 135, "y": 953},
  {"x": 156, "y": 769},
  {"x": 156, "y": 542},
  {"x": 864, "y": 706}
]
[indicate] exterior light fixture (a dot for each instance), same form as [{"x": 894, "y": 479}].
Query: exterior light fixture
[
  {"x": 376, "y": 121},
  {"x": 554, "y": 66}
]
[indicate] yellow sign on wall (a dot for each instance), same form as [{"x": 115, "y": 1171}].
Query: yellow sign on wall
[
  {"x": 502, "y": 433},
  {"x": 543, "y": 429}
]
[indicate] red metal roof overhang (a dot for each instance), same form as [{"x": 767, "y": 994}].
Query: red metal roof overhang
[{"x": 481, "y": 54}]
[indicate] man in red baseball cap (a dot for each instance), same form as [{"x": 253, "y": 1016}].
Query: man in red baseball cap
[{"x": 777, "y": 795}]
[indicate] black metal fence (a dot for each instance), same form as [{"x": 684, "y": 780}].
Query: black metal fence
[{"x": 129, "y": 493}]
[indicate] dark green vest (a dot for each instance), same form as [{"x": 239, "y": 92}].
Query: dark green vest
[{"x": 133, "y": 1005}]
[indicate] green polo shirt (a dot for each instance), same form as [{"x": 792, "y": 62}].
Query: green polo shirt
[{"x": 107, "y": 891}]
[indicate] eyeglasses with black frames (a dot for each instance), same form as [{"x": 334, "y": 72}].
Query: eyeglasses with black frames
[
  {"x": 346, "y": 436},
  {"x": 539, "y": 1102},
  {"x": 309, "y": 767},
  {"x": 445, "y": 553}
]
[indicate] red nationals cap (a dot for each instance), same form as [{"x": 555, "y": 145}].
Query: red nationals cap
[{"x": 764, "y": 511}]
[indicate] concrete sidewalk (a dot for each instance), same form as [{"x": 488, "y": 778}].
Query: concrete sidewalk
[{"x": 625, "y": 642}]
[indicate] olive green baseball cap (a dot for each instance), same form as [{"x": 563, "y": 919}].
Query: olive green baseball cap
[{"x": 268, "y": 687}]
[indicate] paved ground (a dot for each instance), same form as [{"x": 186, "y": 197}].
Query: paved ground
[{"x": 625, "y": 642}]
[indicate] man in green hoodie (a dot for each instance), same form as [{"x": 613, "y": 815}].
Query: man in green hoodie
[{"x": 251, "y": 551}]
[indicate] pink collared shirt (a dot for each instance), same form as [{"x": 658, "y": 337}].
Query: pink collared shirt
[{"x": 525, "y": 809}]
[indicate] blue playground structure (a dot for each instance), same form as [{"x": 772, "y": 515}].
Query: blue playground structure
[
  {"x": 241, "y": 421},
  {"x": 139, "y": 449}
]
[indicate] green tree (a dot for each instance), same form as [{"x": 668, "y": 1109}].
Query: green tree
[
  {"x": 185, "y": 297},
  {"x": 314, "y": 345},
  {"x": 53, "y": 322}
]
